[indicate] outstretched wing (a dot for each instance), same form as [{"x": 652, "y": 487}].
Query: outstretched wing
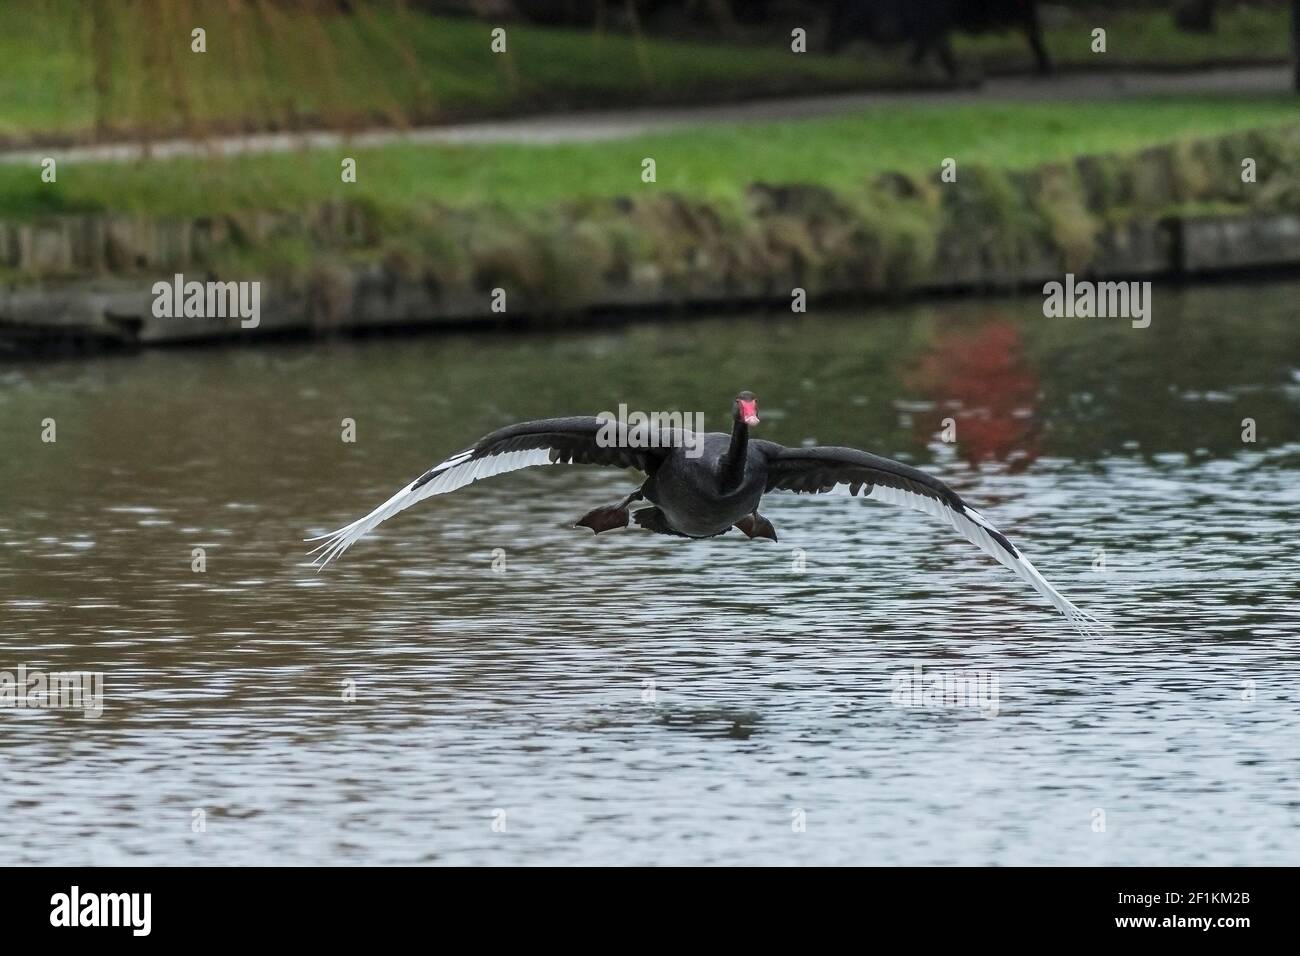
[
  {"x": 848, "y": 471},
  {"x": 551, "y": 441}
]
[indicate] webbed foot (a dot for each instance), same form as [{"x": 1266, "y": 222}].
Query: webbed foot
[
  {"x": 609, "y": 518},
  {"x": 756, "y": 526}
]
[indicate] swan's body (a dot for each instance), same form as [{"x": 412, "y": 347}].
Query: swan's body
[{"x": 694, "y": 503}]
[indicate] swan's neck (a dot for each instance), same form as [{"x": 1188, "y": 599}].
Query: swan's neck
[{"x": 733, "y": 462}]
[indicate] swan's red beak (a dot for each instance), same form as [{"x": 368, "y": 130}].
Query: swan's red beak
[{"x": 749, "y": 411}]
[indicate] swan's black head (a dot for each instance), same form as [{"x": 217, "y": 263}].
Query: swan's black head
[{"x": 747, "y": 408}]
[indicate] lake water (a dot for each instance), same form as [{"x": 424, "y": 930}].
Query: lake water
[{"x": 636, "y": 699}]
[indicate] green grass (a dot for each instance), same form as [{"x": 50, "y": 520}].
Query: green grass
[
  {"x": 272, "y": 65},
  {"x": 716, "y": 162},
  {"x": 1143, "y": 37}
]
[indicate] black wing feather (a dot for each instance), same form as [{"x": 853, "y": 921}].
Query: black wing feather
[
  {"x": 576, "y": 441},
  {"x": 820, "y": 469}
]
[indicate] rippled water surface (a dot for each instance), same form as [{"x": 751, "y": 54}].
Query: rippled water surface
[{"x": 526, "y": 693}]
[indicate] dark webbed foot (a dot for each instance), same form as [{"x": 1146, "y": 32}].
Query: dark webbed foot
[
  {"x": 756, "y": 526},
  {"x": 609, "y": 518}
]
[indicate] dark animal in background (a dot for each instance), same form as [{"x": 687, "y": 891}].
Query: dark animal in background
[
  {"x": 1195, "y": 16},
  {"x": 926, "y": 25}
]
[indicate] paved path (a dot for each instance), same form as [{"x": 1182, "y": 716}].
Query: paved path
[{"x": 617, "y": 124}]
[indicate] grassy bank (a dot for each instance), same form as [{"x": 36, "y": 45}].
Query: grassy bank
[
  {"x": 716, "y": 163},
  {"x": 1142, "y": 38},
  {"x": 272, "y": 66},
  {"x": 1167, "y": 209},
  {"x": 110, "y": 70}
]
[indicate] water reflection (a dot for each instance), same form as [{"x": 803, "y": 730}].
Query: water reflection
[
  {"x": 631, "y": 698},
  {"x": 984, "y": 394}
]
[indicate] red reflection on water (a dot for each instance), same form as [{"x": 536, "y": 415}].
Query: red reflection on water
[{"x": 981, "y": 379}]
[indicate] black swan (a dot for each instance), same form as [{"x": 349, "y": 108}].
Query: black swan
[{"x": 700, "y": 486}]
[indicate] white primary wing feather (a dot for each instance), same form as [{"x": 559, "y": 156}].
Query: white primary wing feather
[
  {"x": 456, "y": 472},
  {"x": 975, "y": 528}
]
